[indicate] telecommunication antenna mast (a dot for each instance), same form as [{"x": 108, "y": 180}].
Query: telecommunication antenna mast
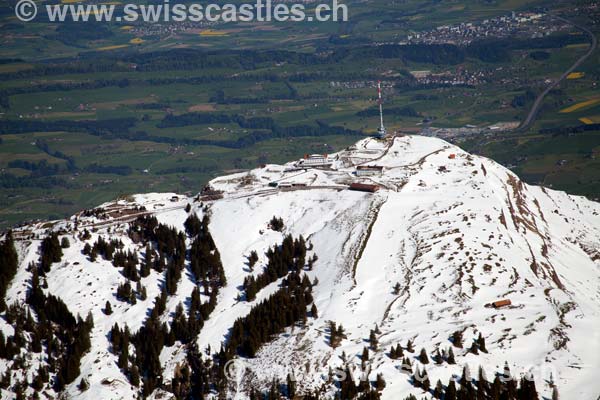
[{"x": 381, "y": 132}]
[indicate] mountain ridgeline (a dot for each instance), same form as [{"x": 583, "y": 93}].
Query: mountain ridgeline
[{"x": 311, "y": 288}]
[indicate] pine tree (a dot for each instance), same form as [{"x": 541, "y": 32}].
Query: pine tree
[
  {"x": 406, "y": 366},
  {"x": 437, "y": 357},
  {"x": 483, "y": 387},
  {"x": 555, "y": 393},
  {"x": 291, "y": 386},
  {"x": 148, "y": 263},
  {"x": 365, "y": 355},
  {"x": 83, "y": 385},
  {"x": 393, "y": 354},
  {"x": 89, "y": 321},
  {"x": 124, "y": 354},
  {"x": 425, "y": 382},
  {"x": 87, "y": 249},
  {"x": 438, "y": 392},
  {"x": 474, "y": 348},
  {"x": 64, "y": 242},
  {"x": 313, "y": 311},
  {"x": 457, "y": 339},
  {"x": 496, "y": 389},
  {"x": 465, "y": 379},
  {"x": 252, "y": 259},
  {"x": 379, "y": 383},
  {"x": 399, "y": 351},
  {"x": 409, "y": 346},
  {"x": 423, "y": 359},
  {"x": 134, "y": 375},
  {"x": 450, "y": 390},
  {"x": 481, "y": 343},
  {"x": 451, "y": 356},
  {"x": 373, "y": 340},
  {"x": 107, "y": 308}
]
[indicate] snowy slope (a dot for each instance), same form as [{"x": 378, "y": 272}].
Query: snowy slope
[{"x": 452, "y": 230}]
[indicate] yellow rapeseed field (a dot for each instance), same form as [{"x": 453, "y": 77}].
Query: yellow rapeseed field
[
  {"x": 211, "y": 32},
  {"x": 576, "y": 75},
  {"x": 117, "y": 46},
  {"x": 579, "y": 106}
]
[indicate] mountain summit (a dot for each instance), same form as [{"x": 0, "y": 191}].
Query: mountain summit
[{"x": 375, "y": 272}]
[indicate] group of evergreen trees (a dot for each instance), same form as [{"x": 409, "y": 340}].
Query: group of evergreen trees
[
  {"x": 469, "y": 389},
  {"x": 503, "y": 387},
  {"x": 290, "y": 256},
  {"x": 205, "y": 259},
  {"x": 276, "y": 224},
  {"x": 282, "y": 309},
  {"x": 9, "y": 263},
  {"x": 105, "y": 249},
  {"x": 66, "y": 338},
  {"x": 51, "y": 252},
  {"x": 336, "y": 334},
  {"x": 138, "y": 353}
]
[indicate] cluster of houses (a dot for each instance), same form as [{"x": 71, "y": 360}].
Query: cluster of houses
[{"x": 524, "y": 24}]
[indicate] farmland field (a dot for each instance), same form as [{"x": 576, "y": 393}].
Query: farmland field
[{"x": 87, "y": 115}]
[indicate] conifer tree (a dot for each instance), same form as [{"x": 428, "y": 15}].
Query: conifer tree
[
  {"x": 482, "y": 385},
  {"x": 87, "y": 249},
  {"x": 451, "y": 356},
  {"x": 399, "y": 351},
  {"x": 365, "y": 355},
  {"x": 474, "y": 348},
  {"x": 496, "y": 389},
  {"x": 134, "y": 375},
  {"x": 89, "y": 321},
  {"x": 465, "y": 379},
  {"x": 423, "y": 359},
  {"x": 481, "y": 343},
  {"x": 438, "y": 392},
  {"x": 373, "y": 340},
  {"x": 457, "y": 339},
  {"x": 107, "y": 308},
  {"x": 437, "y": 357},
  {"x": 252, "y": 259},
  {"x": 291, "y": 386},
  {"x": 379, "y": 382},
  {"x": 406, "y": 366},
  {"x": 425, "y": 382},
  {"x": 450, "y": 390},
  {"x": 124, "y": 354},
  {"x": 83, "y": 385}
]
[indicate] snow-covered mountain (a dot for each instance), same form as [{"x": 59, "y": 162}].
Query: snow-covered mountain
[{"x": 446, "y": 234}]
